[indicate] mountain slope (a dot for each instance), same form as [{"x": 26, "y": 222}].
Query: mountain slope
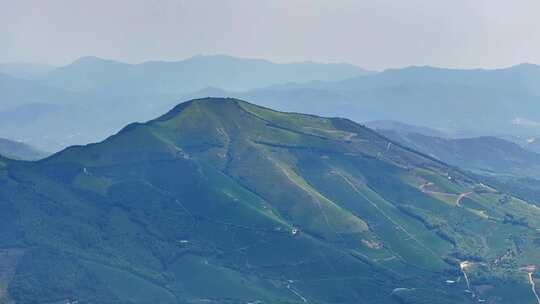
[{"x": 223, "y": 201}]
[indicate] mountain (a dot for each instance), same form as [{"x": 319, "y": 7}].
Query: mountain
[
  {"x": 25, "y": 70},
  {"x": 222, "y": 201},
  {"x": 193, "y": 74},
  {"x": 117, "y": 93},
  {"x": 56, "y": 126},
  {"x": 403, "y": 128},
  {"x": 17, "y": 92},
  {"x": 18, "y": 150},
  {"x": 457, "y": 102},
  {"x": 484, "y": 155},
  {"x": 510, "y": 167}
]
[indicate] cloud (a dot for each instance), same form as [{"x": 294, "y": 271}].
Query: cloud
[{"x": 524, "y": 122}]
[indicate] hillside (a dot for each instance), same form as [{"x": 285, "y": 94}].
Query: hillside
[{"x": 222, "y": 201}]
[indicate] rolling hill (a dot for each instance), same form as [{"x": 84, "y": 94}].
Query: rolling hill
[{"x": 222, "y": 201}]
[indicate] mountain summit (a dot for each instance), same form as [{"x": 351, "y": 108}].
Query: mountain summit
[{"x": 222, "y": 201}]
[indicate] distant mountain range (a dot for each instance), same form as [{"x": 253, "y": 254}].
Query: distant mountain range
[
  {"x": 403, "y": 128},
  {"x": 180, "y": 77},
  {"x": 19, "y": 151},
  {"x": 59, "y": 101},
  {"x": 223, "y": 201},
  {"x": 25, "y": 70},
  {"x": 458, "y": 102},
  {"x": 461, "y": 103},
  {"x": 486, "y": 155}
]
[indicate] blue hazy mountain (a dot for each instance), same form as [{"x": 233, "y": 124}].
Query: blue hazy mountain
[
  {"x": 485, "y": 155},
  {"x": 503, "y": 101},
  {"x": 17, "y": 92},
  {"x": 59, "y": 103},
  {"x": 403, "y": 128},
  {"x": 19, "y": 150},
  {"x": 176, "y": 77},
  {"x": 25, "y": 70}
]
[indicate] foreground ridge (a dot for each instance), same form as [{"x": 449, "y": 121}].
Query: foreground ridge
[{"x": 223, "y": 201}]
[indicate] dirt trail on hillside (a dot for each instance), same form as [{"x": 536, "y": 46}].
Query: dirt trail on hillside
[
  {"x": 533, "y": 286},
  {"x": 460, "y": 197},
  {"x": 463, "y": 266},
  {"x": 297, "y": 293}
]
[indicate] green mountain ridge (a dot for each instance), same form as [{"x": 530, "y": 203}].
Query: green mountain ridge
[{"x": 222, "y": 201}]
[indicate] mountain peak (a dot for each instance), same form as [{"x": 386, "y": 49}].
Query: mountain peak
[
  {"x": 212, "y": 124},
  {"x": 204, "y": 102},
  {"x": 87, "y": 60},
  {"x": 94, "y": 62}
]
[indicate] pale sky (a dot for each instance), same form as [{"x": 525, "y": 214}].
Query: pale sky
[{"x": 374, "y": 34}]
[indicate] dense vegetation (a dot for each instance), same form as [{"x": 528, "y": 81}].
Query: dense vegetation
[{"x": 221, "y": 201}]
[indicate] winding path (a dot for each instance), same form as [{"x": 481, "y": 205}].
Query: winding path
[
  {"x": 297, "y": 293},
  {"x": 460, "y": 197},
  {"x": 533, "y": 286}
]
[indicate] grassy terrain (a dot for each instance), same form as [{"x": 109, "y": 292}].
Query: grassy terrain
[{"x": 221, "y": 201}]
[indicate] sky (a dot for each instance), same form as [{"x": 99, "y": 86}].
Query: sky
[{"x": 375, "y": 34}]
